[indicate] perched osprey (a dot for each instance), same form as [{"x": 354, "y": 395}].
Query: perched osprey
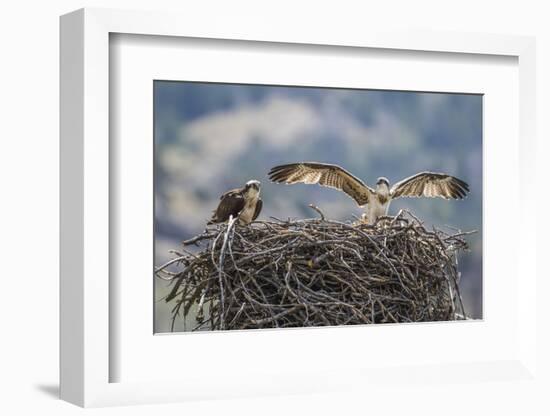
[
  {"x": 243, "y": 202},
  {"x": 426, "y": 184}
]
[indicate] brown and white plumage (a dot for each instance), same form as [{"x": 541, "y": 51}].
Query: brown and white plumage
[
  {"x": 426, "y": 184},
  {"x": 431, "y": 185},
  {"x": 244, "y": 203},
  {"x": 332, "y": 176}
]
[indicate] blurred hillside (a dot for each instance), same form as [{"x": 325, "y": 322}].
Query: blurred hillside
[{"x": 213, "y": 137}]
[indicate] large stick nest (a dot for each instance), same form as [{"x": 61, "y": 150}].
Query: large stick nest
[{"x": 316, "y": 272}]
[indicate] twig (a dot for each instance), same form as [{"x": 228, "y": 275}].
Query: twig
[{"x": 313, "y": 207}]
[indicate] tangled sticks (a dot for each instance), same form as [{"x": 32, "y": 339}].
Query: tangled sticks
[{"x": 316, "y": 272}]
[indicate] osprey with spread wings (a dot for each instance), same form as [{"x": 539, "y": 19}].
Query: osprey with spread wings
[{"x": 427, "y": 184}]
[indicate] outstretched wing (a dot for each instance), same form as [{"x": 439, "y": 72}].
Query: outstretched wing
[
  {"x": 431, "y": 185},
  {"x": 231, "y": 203},
  {"x": 332, "y": 176},
  {"x": 259, "y": 205}
]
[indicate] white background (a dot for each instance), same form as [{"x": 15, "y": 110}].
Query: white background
[{"x": 29, "y": 172}]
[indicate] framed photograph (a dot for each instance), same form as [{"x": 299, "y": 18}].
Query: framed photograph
[
  {"x": 227, "y": 147},
  {"x": 268, "y": 212}
]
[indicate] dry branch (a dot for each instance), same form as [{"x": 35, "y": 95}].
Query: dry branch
[{"x": 317, "y": 272}]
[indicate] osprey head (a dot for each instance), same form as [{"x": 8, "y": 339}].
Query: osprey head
[
  {"x": 382, "y": 181},
  {"x": 252, "y": 187}
]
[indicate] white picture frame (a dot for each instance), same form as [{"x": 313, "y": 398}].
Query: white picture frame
[{"x": 87, "y": 356}]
